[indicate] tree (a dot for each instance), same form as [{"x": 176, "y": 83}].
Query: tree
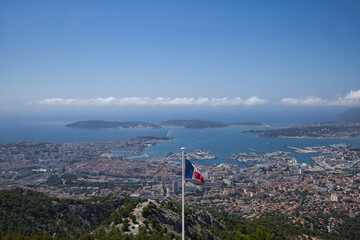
[
  {"x": 260, "y": 234},
  {"x": 125, "y": 225}
]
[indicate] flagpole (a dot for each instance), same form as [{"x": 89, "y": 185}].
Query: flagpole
[{"x": 183, "y": 193}]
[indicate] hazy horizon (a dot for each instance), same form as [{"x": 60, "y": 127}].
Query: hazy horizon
[{"x": 279, "y": 115}]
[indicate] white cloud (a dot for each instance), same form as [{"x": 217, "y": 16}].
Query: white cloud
[
  {"x": 350, "y": 99},
  {"x": 152, "y": 101},
  {"x": 103, "y": 101},
  {"x": 55, "y": 101},
  {"x": 255, "y": 101},
  {"x": 308, "y": 101}
]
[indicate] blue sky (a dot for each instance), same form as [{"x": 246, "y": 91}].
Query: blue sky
[{"x": 92, "y": 54}]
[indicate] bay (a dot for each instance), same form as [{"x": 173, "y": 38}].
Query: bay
[{"x": 222, "y": 142}]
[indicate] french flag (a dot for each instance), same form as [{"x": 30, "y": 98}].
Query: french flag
[{"x": 191, "y": 172}]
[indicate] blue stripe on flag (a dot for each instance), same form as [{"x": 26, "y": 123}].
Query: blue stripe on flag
[{"x": 189, "y": 169}]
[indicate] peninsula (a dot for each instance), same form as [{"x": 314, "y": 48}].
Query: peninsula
[
  {"x": 321, "y": 131},
  {"x": 346, "y": 125},
  {"x": 98, "y": 124},
  {"x": 205, "y": 124},
  {"x": 194, "y": 124}
]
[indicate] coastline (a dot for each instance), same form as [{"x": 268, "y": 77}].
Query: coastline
[{"x": 307, "y": 137}]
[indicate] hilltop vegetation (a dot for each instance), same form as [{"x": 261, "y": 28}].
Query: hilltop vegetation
[{"x": 31, "y": 215}]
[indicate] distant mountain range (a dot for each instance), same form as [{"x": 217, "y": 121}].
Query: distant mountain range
[{"x": 99, "y": 124}]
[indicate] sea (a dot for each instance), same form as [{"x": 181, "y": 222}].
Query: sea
[{"x": 221, "y": 142}]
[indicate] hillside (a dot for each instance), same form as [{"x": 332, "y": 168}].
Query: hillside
[
  {"x": 29, "y": 212},
  {"x": 150, "y": 218},
  {"x": 30, "y": 215},
  {"x": 352, "y": 115}
]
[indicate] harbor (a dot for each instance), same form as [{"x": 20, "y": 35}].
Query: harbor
[{"x": 191, "y": 155}]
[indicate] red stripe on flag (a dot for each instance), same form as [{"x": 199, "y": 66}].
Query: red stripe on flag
[{"x": 198, "y": 176}]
